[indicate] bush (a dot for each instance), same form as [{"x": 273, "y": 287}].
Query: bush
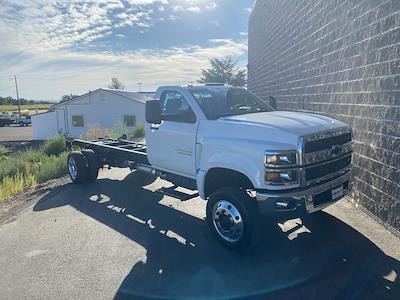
[
  {"x": 28, "y": 168},
  {"x": 120, "y": 129},
  {"x": 138, "y": 131},
  {"x": 94, "y": 132},
  {"x": 55, "y": 145},
  {"x": 50, "y": 167},
  {"x": 3, "y": 150}
]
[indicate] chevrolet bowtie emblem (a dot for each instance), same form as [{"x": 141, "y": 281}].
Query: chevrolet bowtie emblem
[{"x": 335, "y": 150}]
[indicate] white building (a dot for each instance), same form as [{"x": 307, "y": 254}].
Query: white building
[{"x": 104, "y": 107}]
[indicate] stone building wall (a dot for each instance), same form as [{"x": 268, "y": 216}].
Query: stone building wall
[{"x": 339, "y": 58}]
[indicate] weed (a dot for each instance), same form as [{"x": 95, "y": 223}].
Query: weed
[
  {"x": 138, "y": 131},
  {"x": 3, "y": 150},
  {"x": 11, "y": 185},
  {"x": 55, "y": 145},
  {"x": 94, "y": 132}
]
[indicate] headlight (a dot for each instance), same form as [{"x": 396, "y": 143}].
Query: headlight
[
  {"x": 281, "y": 159},
  {"x": 282, "y": 177}
]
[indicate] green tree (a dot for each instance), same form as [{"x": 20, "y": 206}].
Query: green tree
[
  {"x": 224, "y": 71},
  {"x": 67, "y": 98},
  {"x": 116, "y": 84}
]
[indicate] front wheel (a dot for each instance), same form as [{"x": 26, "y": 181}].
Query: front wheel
[{"x": 232, "y": 216}]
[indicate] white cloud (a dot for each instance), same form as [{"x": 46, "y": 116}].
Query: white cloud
[
  {"x": 194, "y": 6},
  {"x": 194, "y": 9},
  {"x": 57, "y": 72},
  {"x": 216, "y": 23},
  {"x": 50, "y": 45}
]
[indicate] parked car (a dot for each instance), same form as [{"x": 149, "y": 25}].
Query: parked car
[
  {"x": 246, "y": 159},
  {"x": 5, "y": 122},
  {"x": 23, "y": 121},
  {"x": 4, "y": 115}
]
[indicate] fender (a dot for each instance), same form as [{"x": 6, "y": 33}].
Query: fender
[{"x": 231, "y": 161}]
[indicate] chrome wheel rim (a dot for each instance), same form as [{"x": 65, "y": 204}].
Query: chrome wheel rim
[
  {"x": 72, "y": 169},
  {"x": 227, "y": 221}
]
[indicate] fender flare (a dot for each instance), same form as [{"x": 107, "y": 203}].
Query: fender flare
[{"x": 233, "y": 162}]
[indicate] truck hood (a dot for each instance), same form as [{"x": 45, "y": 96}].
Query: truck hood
[{"x": 290, "y": 122}]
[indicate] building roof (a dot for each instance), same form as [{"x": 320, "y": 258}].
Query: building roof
[{"x": 136, "y": 96}]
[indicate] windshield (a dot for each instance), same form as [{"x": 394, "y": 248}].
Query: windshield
[{"x": 217, "y": 103}]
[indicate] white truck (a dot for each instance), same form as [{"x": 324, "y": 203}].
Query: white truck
[{"x": 245, "y": 158}]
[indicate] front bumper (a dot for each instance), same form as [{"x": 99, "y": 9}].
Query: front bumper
[{"x": 302, "y": 200}]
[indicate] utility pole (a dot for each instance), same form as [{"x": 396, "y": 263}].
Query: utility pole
[
  {"x": 16, "y": 89},
  {"x": 140, "y": 86}
]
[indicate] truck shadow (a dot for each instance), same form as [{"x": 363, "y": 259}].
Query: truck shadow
[{"x": 310, "y": 258}]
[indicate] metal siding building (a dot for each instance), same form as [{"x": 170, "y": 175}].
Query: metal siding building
[{"x": 103, "y": 107}]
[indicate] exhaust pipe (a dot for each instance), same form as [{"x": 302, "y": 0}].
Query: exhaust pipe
[{"x": 147, "y": 169}]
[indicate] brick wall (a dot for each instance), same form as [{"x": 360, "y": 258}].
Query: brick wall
[{"x": 339, "y": 58}]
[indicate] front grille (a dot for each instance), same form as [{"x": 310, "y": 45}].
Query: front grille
[
  {"x": 324, "y": 170},
  {"x": 321, "y": 144}
]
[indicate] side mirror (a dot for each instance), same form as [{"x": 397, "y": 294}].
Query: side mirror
[{"x": 153, "y": 112}]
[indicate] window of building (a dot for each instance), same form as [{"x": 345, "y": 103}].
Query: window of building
[
  {"x": 77, "y": 121},
  {"x": 129, "y": 121}
]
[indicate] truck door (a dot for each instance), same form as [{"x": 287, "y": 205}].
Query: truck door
[{"x": 172, "y": 144}]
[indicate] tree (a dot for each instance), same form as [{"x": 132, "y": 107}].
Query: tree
[
  {"x": 116, "y": 84},
  {"x": 66, "y": 98},
  {"x": 224, "y": 71}
]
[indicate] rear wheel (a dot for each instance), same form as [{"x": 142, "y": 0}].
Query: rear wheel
[
  {"x": 77, "y": 167},
  {"x": 232, "y": 216},
  {"x": 93, "y": 164}
]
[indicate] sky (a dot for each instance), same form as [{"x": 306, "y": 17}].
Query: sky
[{"x": 70, "y": 47}]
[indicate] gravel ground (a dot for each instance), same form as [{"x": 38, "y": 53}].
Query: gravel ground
[{"x": 15, "y": 133}]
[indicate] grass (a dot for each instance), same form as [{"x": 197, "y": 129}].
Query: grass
[
  {"x": 31, "y": 167},
  {"x": 119, "y": 130},
  {"x": 3, "y": 150},
  {"x": 127, "y": 132},
  {"x": 24, "y": 107}
]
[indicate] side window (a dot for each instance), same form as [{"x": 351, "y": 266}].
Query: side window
[
  {"x": 129, "y": 121},
  {"x": 77, "y": 121},
  {"x": 175, "y": 108}
]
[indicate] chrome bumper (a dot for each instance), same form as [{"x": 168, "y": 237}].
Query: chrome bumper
[{"x": 300, "y": 200}]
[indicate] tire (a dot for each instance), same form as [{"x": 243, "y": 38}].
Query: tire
[
  {"x": 77, "y": 167},
  {"x": 21, "y": 124},
  {"x": 233, "y": 217},
  {"x": 93, "y": 164}
]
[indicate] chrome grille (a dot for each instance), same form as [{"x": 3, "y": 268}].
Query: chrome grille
[
  {"x": 327, "y": 170},
  {"x": 322, "y": 144},
  {"x": 328, "y": 145},
  {"x": 326, "y": 155}
]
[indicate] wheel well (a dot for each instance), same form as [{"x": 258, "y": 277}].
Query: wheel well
[{"x": 221, "y": 177}]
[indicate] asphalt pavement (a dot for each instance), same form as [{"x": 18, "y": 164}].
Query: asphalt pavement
[
  {"x": 15, "y": 133},
  {"x": 118, "y": 239}
]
